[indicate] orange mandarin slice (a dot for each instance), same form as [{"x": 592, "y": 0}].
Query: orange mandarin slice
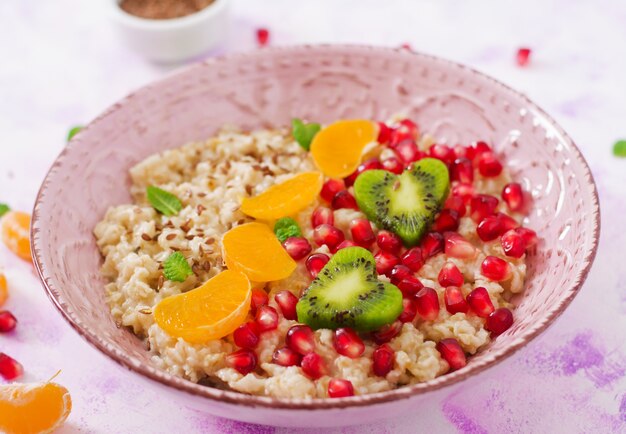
[
  {"x": 338, "y": 148},
  {"x": 286, "y": 198},
  {"x": 208, "y": 312},
  {"x": 254, "y": 250},
  {"x": 4, "y": 288},
  {"x": 33, "y": 408},
  {"x": 16, "y": 233}
]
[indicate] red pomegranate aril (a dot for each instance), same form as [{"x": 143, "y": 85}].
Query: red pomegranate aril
[
  {"x": 286, "y": 357},
  {"x": 246, "y": 335},
  {"x": 331, "y": 188},
  {"x": 300, "y": 339},
  {"x": 452, "y": 353},
  {"x": 262, "y": 36},
  {"x": 482, "y": 205},
  {"x": 297, "y": 247},
  {"x": 456, "y": 246},
  {"x": 496, "y": 269},
  {"x": 507, "y": 221},
  {"x": 393, "y": 165},
  {"x": 413, "y": 258},
  {"x": 328, "y": 235},
  {"x": 399, "y": 273},
  {"x": 348, "y": 343},
  {"x": 259, "y": 298},
  {"x": 442, "y": 152},
  {"x": 10, "y": 369},
  {"x": 480, "y": 302},
  {"x": 243, "y": 361},
  {"x": 427, "y": 303},
  {"x": 382, "y": 358},
  {"x": 513, "y": 244},
  {"x": 447, "y": 220},
  {"x": 409, "y": 286},
  {"x": 450, "y": 275},
  {"x": 266, "y": 318},
  {"x": 409, "y": 310},
  {"x": 404, "y": 130},
  {"x": 454, "y": 300},
  {"x": 457, "y": 204},
  {"x": 387, "y": 332},
  {"x": 462, "y": 170},
  {"x": 313, "y": 366},
  {"x": 499, "y": 321},
  {"x": 477, "y": 150},
  {"x": 344, "y": 199},
  {"x": 489, "y": 166},
  {"x": 432, "y": 244},
  {"x": 389, "y": 242},
  {"x": 464, "y": 191},
  {"x": 529, "y": 236},
  {"x": 407, "y": 151},
  {"x": 385, "y": 261},
  {"x": 372, "y": 163},
  {"x": 339, "y": 388},
  {"x": 321, "y": 216},
  {"x": 287, "y": 301},
  {"x": 346, "y": 243},
  {"x": 7, "y": 321},
  {"x": 362, "y": 233},
  {"x": 315, "y": 263},
  {"x": 522, "y": 58},
  {"x": 384, "y": 133},
  {"x": 489, "y": 228},
  {"x": 513, "y": 196}
]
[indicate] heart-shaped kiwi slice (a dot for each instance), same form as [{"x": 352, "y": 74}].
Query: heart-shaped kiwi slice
[
  {"x": 347, "y": 293},
  {"x": 405, "y": 204}
]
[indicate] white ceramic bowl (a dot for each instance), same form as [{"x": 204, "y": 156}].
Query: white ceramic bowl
[{"x": 176, "y": 39}]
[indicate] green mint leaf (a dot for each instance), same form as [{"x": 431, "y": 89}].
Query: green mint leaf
[
  {"x": 176, "y": 268},
  {"x": 163, "y": 201},
  {"x": 286, "y": 227},
  {"x": 75, "y": 130},
  {"x": 619, "y": 148},
  {"x": 304, "y": 133},
  {"x": 4, "y": 208}
]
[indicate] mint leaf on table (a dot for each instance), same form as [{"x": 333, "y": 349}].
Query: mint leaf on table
[
  {"x": 4, "y": 208},
  {"x": 619, "y": 148},
  {"x": 304, "y": 133},
  {"x": 75, "y": 130},
  {"x": 163, "y": 201},
  {"x": 176, "y": 268},
  {"x": 286, "y": 227}
]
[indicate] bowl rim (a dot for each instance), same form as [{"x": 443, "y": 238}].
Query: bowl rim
[{"x": 401, "y": 393}]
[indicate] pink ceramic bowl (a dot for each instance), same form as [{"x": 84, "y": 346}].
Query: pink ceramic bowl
[{"x": 267, "y": 88}]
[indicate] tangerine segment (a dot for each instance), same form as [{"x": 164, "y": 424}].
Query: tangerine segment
[
  {"x": 286, "y": 198},
  {"x": 33, "y": 408},
  {"x": 4, "y": 289},
  {"x": 254, "y": 250},
  {"x": 15, "y": 233},
  {"x": 208, "y": 312},
  {"x": 338, "y": 148}
]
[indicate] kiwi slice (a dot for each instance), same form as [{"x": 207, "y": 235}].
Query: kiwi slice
[
  {"x": 405, "y": 204},
  {"x": 347, "y": 293}
]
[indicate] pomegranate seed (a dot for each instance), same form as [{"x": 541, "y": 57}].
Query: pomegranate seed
[
  {"x": 393, "y": 165},
  {"x": 513, "y": 244},
  {"x": 315, "y": 263},
  {"x": 383, "y": 358},
  {"x": 482, "y": 205},
  {"x": 460, "y": 151},
  {"x": 452, "y": 353},
  {"x": 244, "y": 361},
  {"x": 530, "y": 236},
  {"x": 321, "y": 216},
  {"x": 344, "y": 199},
  {"x": 348, "y": 343},
  {"x": 259, "y": 298},
  {"x": 372, "y": 163},
  {"x": 462, "y": 171},
  {"x": 408, "y": 126},
  {"x": 297, "y": 247},
  {"x": 389, "y": 242},
  {"x": 399, "y": 273},
  {"x": 300, "y": 339},
  {"x": 453, "y": 298},
  {"x": 464, "y": 191},
  {"x": 489, "y": 228},
  {"x": 346, "y": 243},
  {"x": 387, "y": 332},
  {"x": 7, "y": 321},
  {"x": 413, "y": 259},
  {"x": 362, "y": 233},
  {"x": 523, "y": 56},
  {"x": 447, "y": 220},
  {"x": 489, "y": 166},
  {"x": 384, "y": 133},
  {"x": 407, "y": 151},
  {"x": 409, "y": 310},
  {"x": 456, "y": 246},
  {"x": 266, "y": 318},
  {"x": 495, "y": 269},
  {"x": 339, "y": 388},
  {"x": 499, "y": 321},
  {"x": 409, "y": 286},
  {"x": 262, "y": 36},
  {"x": 385, "y": 261},
  {"x": 314, "y": 366},
  {"x": 480, "y": 302},
  {"x": 427, "y": 303},
  {"x": 432, "y": 244},
  {"x": 328, "y": 235},
  {"x": 247, "y": 335},
  {"x": 450, "y": 275},
  {"x": 287, "y": 303},
  {"x": 457, "y": 204},
  {"x": 286, "y": 357},
  {"x": 331, "y": 188},
  {"x": 405, "y": 130},
  {"x": 507, "y": 221},
  {"x": 477, "y": 150},
  {"x": 10, "y": 369},
  {"x": 513, "y": 196},
  {"x": 442, "y": 152}
]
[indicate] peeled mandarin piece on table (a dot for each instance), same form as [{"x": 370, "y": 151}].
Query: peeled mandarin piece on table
[
  {"x": 254, "y": 250},
  {"x": 208, "y": 312},
  {"x": 338, "y": 148},
  {"x": 16, "y": 233},
  {"x": 4, "y": 289},
  {"x": 33, "y": 408},
  {"x": 286, "y": 198}
]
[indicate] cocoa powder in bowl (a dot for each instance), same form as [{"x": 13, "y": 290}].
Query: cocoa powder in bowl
[{"x": 163, "y": 9}]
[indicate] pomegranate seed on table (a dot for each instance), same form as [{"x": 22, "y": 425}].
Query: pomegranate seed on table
[
  {"x": 399, "y": 273},
  {"x": 432, "y": 244},
  {"x": 362, "y": 233},
  {"x": 286, "y": 357},
  {"x": 262, "y": 36},
  {"x": 393, "y": 165},
  {"x": 452, "y": 353},
  {"x": 456, "y": 246},
  {"x": 507, "y": 221},
  {"x": 457, "y": 204},
  {"x": 339, "y": 388},
  {"x": 321, "y": 216},
  {"x": 315, "y": 263},
  {"x": 482, "y": 205},
  {"x": 427, "y": 303},
  {"x": 407, "y": 151},
  {"x": 300, "y": 339},
  {"x": 464, "y": 191},
  {"x": 10, "y": 369},
  {"x": 344, "y": 199},
  {"x": 409, "y": 286},
  {"x": 387, "y": 332},
  {"x": 513, "y": 244},
  {"x": 454, "y": 300},
  {"x": 385, "y": 261},
  {"x": 405, "y": 130},
  {"x": 490, "y": 228},
  {"x": 513, "y": 196},
  {"x": 348, "y": 343},
  {"x": 409, "y": 310},
  {"x": 331, "y": 188},
  {"x": 7, "y": 321},
  {"x": 247, "y": 335},
  {"x": 462, "y": 171},
  {"x": 447, "y": 220},
  {"x": 450, "y": 275},
  {"x": 384, "y": 133},
  {"x": 389, "y": 242},
  {"x": 413, "y": 259},
  {"x": 328, "y": 235},
  {"x": 496, "y": 269},
  {"x": 297, "y": 247},
  {"x": 346, "y": 243},
  {"x": 489, "y": 166},
  {"x": 382, "y": 358},
  {"x": 477, "y": 150},
  {"x": 287, "y": 301},
  {"x": 499, "y": 321},
  {"x": 259, "y": 298},
  {"x": 313, "y": 366},
  {"x": 442, "y": 152},
  {"x": 523, "y": 56},
  {"x": 480, "y": 302},
  {"x": 266, "y": 318},
  {"x": 530, "y": 236},
  {"x": 244, "y": 361}
]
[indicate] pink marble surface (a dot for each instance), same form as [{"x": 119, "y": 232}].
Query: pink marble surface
[{"x": 63, "y": 64}]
